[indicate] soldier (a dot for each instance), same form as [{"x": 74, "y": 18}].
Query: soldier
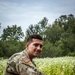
[{"x": 21, "y": 63}]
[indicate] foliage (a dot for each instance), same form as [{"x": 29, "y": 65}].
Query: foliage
[
  {"x": 56, "y": 66},
  {"x": 38, "y": 28},
  {"x": 50, "y": 66},
  {"x": 59, "y": 38},
  {"x": 10, "y": 41},
  {"x": 2, "y": 65},
  {"x": 12, "y": 33},
  {"x": 53, "y": 33}
]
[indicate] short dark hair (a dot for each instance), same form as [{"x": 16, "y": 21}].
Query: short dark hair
[{"x": 34, "y": 36}]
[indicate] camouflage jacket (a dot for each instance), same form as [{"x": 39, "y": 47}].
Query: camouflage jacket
[{"x": 20, "y": 64}]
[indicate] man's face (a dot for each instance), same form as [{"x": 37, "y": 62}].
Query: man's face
[{"x": 34, "y": 48}]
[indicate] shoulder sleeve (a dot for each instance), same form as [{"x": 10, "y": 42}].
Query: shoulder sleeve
[{"x": 24, "y": 69}]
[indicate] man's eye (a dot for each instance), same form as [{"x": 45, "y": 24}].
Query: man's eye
[
  {"x": 40, "y": 46},
  {"x": 36, "y": 45}
]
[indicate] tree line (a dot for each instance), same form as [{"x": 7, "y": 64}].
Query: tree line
[{"x": 59, "y": 37}]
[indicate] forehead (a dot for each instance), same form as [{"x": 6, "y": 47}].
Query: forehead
[{"x": 37, "y": 41}]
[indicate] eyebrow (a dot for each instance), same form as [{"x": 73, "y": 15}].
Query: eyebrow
[{"x": 38, "y": 44}]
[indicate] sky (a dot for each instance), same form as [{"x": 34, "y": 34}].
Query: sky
[{"x": 26, "y": 12}]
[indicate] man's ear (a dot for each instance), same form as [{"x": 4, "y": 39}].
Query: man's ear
[{"x": 26, "y": 44}]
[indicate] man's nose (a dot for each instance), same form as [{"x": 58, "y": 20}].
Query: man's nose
[{"x": 39, "y": 48}]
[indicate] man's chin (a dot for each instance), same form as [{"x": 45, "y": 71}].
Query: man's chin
[{"x": 36, "y": 55}]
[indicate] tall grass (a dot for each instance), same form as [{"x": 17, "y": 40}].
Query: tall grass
[
  {"x": 50, "y": 66},
  {"x": 57, "y": 66},
  {"x": 2, "y": 65}
]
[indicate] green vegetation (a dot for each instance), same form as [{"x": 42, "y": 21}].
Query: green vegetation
[
  {"x": 59, "y": 37},
  {"x": 57, "y": 66},
  {"x": 2, "y": 65},
  {"x": 50, "y": 66}
]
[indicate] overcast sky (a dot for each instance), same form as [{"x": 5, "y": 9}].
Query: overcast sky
[{"x": 26, "y": 12}]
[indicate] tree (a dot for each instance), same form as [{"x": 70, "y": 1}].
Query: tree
[
  {"x": 53, "y": 33},
  {"x": 33, "y": 29},
  {"x": 12, "y": 33},
  {"x": 39, "y": 28},
  {"x": 67, "y": 23},
  {"x": 10, "y": 41}
]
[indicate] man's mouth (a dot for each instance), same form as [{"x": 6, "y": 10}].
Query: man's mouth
[{"x": 37, "y": 52}]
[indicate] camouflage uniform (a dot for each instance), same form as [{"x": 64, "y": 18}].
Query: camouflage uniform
[{"x": 20, "y": 64}]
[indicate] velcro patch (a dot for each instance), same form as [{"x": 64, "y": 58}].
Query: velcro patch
[{"x": 26, "y": 60}]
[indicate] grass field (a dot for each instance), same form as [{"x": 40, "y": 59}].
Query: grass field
[{"x": 50, "y": 66}]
